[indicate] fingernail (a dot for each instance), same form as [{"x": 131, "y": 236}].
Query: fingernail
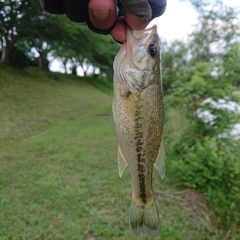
[{"x": 101, "y": 14}]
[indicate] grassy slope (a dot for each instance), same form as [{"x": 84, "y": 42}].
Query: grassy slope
[{"x": 58, "y": 166}]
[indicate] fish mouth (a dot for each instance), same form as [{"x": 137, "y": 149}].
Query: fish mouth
[
  {"x": 140, "y": 34},
  {"x": 143, "y": 37},
  {"x": 154, "y": 27}
]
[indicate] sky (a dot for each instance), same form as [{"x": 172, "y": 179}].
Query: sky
[
  {"x": 180, "y": 19},
  {"x": 177, "y": 22}
]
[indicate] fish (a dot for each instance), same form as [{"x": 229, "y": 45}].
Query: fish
[{"x": 138, "y": 112}]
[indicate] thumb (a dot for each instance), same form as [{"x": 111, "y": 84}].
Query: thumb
[{"x": 102, "y": 13}]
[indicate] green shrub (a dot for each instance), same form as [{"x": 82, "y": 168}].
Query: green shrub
[{"x": 212, "y": 166}]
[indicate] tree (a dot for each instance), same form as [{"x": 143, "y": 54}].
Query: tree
[
  {"x": 11, "y": 15},
  {"x": 26, "y": 21},
  {"x": 175, "y": 63},
  {"x": 104, "y": 53},
  {"x": 204, "y": 90},
  {"x": 83, "y": 48},
  {"x": 47, "y": 32},
  {"x": 230, "y": 66}
]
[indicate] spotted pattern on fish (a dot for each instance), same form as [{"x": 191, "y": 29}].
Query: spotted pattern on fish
[
  {"x": 140, "y": 155},
  {"x": 139, "y": 116}
]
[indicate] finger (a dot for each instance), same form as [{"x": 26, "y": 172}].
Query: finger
[
  {"x": 135, "y": 22},
  {"x": 140, "y": 8},
  {"x": 119, "y": 31},
  {"x": 102, "y": 13}
]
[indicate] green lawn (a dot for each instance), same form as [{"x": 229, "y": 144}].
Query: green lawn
[{"x": 58, "y": 166}]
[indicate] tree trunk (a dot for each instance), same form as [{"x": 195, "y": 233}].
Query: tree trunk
[
  {"x": 74, "y": 70},
  {"x": 5, "y": 54},
  {"x": 42, "y": 62},
  {"x": 6, "y": 49},
  {"x": 65, "y": 65}
]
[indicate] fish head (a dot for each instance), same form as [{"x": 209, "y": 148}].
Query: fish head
[
  {"x": 143, "y": 48},
  {"x": 138, "y": 60}
]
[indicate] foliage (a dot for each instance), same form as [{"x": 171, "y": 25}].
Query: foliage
[
  {"x": 25, "y": 23},
  {"x": 20, "y": 57},
  {"x": 175, "y": 63},
  {"x": 202, "y": 83},
  {"x": 214, "y": 35},
  {"x": 211, "y": 167},
  {"x": 230, "y": 66},
  {"x": 83, "y": 48}
]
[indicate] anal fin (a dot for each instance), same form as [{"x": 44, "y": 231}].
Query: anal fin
[
  {"x": 122, "y": 164},
  {"x": 161, "y": 160}
]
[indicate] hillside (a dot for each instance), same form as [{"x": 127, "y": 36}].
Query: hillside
[{"x": 58, "y": 166}]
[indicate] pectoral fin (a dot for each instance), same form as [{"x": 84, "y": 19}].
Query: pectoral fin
[
  {"x": 122, "y": 164},
  {"x": 161, "y": 159}
]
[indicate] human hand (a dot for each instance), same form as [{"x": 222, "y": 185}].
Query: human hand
[{"x": 103, "y": 15}]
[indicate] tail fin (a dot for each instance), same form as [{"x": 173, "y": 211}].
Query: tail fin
[{"x": 144, "y": 219}]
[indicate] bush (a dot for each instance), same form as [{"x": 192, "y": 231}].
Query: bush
[
  {"x": 18, "y": 58},
  {"x": 212, "y": 166}
]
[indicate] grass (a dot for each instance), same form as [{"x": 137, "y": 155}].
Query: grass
[{"x": 58, "y": 166}]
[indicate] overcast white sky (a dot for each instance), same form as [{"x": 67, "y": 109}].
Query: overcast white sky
[{"x": 178, "y": 20}]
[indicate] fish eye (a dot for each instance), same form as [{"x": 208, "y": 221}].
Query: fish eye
[{"x": 152, "y": 50}]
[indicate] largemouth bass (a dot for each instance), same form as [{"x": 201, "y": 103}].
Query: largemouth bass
[{"x": 138, "y": 111}]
